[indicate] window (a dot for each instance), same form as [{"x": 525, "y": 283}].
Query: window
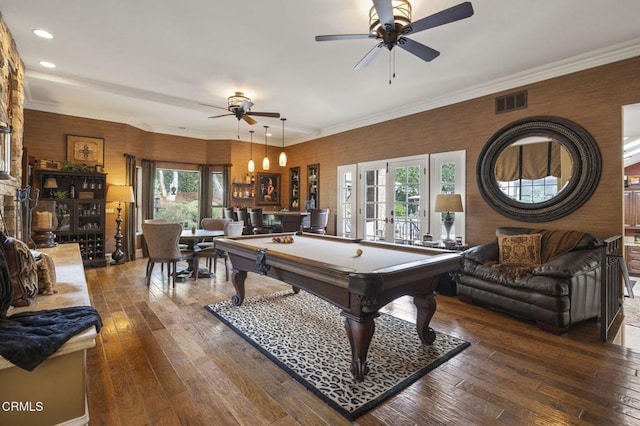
[
  {"x": 217, "y": 196},
  {"x": 531, "y": 190},
  {"x": 176, "y": 195},
  {"x": 447, "y": 177}
]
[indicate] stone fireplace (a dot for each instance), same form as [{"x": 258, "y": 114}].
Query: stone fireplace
[{"x": 11, "y": 114}]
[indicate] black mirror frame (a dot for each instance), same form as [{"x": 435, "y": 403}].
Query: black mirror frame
[{"x": 587, "y": 168}]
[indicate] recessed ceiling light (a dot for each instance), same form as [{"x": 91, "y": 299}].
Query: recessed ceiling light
[
  {"x": 47, "y": 64},
  {"x": 43, "y": 33}
]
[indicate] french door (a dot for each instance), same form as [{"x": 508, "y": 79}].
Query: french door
[{"x": 392, "y": 205}]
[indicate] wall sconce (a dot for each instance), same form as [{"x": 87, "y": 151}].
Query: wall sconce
[
  {"x": 265, "y": 160},
  {"x": 5, "y": 152}
]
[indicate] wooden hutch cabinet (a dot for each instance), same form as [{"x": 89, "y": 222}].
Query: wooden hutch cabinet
[
  {"x": 72, "y": 207},
  {"x": 294, "y": 188},
  {"x": 313, "y": 183}
]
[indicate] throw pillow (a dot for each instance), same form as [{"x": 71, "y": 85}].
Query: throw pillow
[
  {"x": 22, "y": 271},
  {"x": 520, "y": 250},
  {"x": 46, "y": 273}
]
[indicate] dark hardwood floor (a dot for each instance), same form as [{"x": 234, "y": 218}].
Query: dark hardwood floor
[{"x": 162, "y": 359}]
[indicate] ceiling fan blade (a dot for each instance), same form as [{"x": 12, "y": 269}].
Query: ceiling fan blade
[
  {"x": 385, "y": 11},
  {"x": 249, "y": 120},
  {"x": 455, "y": 13},
  {"x": 265, "y": 114},
  {"x": 246, "y": 106},
  {"x": 213, "y": 106},
  {"x": 369, "y": 56},
  {"x": 343, "y": 37},
  {"x": 420, "y": 50},
  {"x": 218, "y": 116}
]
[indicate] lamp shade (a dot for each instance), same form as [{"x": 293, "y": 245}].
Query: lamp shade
[
  {"x": 122, "y": 193},
  {"x": 50, "y": 183},
  {"x": 448, "y": 203}
]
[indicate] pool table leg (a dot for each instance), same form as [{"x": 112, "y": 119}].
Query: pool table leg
[
  {"x": 426, "y": 307},
  {"x": 360, "y": 332},
  {"x": 237, "y": 278}
]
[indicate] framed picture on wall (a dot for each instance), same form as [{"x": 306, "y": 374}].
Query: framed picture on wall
[
  {"x": 86, "y": 150},
  {"x": 268, "y": 188}
]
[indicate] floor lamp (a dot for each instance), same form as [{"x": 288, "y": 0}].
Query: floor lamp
[
  {"x": 448, "y": 204},
  {"x": 121, "y": 194}
]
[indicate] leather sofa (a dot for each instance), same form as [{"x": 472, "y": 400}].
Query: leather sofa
[{"x": 555, "y": 294}]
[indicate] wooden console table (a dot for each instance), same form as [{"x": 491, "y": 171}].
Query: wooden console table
[{"x": 55, "y": 391}]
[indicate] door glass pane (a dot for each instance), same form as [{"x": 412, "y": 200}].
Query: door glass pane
[
  {"x": 347, "y": 188},
  {"x": 375, "y": 206},
  {"x": 406, "y": 214},
  {"x": 176, "y": 196}
]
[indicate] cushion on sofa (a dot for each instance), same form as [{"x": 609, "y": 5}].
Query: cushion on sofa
[{"x": 520, "y": 250}]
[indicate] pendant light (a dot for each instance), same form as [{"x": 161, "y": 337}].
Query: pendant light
[
  {"x": 251, "y": 166},
  {"x": 282, "y": 160},
  {"x": 265, "y": 160}
]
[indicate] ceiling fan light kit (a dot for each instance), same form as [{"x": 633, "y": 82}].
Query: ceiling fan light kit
[
  {"x": 240, "y": 106},
  {"x": 401, "y": 17}
]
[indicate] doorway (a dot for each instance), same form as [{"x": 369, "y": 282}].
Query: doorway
[{"x": 629, "y": 334}]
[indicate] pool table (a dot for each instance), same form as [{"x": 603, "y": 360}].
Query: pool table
[{"x": 359, "y": 277}]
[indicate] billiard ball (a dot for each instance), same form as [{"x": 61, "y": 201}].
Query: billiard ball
[{"x": 359, "y": 252}]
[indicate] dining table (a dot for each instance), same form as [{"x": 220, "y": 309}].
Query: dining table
[{"x": 191, "y": 237}]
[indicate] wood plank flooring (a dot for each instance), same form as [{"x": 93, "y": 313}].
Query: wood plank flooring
[{"x": 162, "y": 359}]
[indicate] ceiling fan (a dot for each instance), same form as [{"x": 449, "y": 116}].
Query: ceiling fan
[
  {"x": 390, "y": 22},
  {"x": 240, "y": 106}
]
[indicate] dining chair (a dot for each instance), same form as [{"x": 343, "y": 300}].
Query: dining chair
[
  {"x": 231, "y": 229},
  {"x": 318, "y": 221},
  {"x": 243, "y": 216},
  {"x": 207, "y": 248},
  {"x": 162, "y": 243},
  {"x": 257, "y": 223},
  {"x": 229, "y": 213}
]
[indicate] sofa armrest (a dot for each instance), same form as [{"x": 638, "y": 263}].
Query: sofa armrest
[
  {"x": 483, "y": 253},
  {"x": 570, "y": 264}
]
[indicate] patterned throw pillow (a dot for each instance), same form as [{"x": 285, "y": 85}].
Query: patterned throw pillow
[{"x": 520, "y": 250}]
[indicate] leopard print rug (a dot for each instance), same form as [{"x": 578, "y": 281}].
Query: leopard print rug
[{"x": 305, "y": 336}]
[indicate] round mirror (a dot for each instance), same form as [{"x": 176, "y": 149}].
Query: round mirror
[{"x": 538, "y": 169}]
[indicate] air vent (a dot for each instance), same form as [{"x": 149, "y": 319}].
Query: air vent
[{"x": 511, "y": 102}]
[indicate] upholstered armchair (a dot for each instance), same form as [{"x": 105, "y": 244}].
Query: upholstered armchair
[{"x": 162, "y": 244}]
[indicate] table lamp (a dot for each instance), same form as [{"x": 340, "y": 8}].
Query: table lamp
[
  {"x": 50, "y": 183},
  {"x": 448, "y": 204},
  {"x": 121, "y": 194}
]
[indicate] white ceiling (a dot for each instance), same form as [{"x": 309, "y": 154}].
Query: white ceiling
[{"x": 153, "y": 63}]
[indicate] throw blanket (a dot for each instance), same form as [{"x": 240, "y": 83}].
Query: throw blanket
[
  {"x": 29, "y": 338},
  {"x": 555, "y": 243},
  {"x": 552, "y": 245}
]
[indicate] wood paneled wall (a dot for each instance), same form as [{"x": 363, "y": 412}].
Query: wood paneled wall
[{"x": 592, "y": 98}]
